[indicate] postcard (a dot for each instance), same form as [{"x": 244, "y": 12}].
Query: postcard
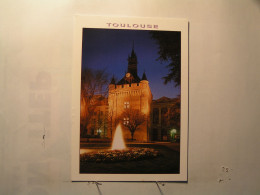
[{"x": 130, "y": 99}]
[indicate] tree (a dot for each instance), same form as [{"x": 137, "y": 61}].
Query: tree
[
  {"x": 132, "y": 119},
  {"x": 175, "y": 113},
  {"x": 171, "y": 116},
  {"x": 93, "y": 92},
  {"x": 169, "y": 50}
]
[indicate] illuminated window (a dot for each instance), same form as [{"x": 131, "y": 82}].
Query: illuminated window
[
  {"x": 126, "y": 121},
  {"x": 126, "y": 105}
]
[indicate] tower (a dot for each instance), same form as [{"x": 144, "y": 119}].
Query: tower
[{"x": 133, "y": 93}]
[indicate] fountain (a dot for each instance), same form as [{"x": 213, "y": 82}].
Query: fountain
[
  {"x": 118, "y": 141},
  {"x": 118, "y": 152}
]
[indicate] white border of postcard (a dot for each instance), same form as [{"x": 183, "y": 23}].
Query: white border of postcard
[{"x": 164, "y": 24}]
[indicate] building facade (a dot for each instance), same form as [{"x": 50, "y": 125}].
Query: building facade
[{"x": 165, "y": 118}]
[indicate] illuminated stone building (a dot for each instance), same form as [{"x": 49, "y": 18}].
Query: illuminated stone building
[{"x": 130, "y": 92}]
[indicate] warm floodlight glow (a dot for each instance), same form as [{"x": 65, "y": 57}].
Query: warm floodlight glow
[{"x": 118, "y": 141}]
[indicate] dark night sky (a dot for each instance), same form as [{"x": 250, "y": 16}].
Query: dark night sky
[{"x": 109, "y": 49}]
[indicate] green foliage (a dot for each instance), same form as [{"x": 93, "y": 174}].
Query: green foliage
[
  {"x": 175, "y": 111},
  {"x": 169, "y": 49}
]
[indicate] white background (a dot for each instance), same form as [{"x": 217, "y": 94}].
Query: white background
[{"x": 36, "y": 39}]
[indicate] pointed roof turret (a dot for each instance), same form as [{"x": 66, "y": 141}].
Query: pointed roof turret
[
  {"x": 133, "y": 51},
  {"x": 113, "y": 81},
  {"x": 132, "y": 62},
  {"x": 131, "y": 75},
  {"x": 144, "y": 77}
]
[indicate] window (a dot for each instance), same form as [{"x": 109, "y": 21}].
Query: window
[
  {"x": 126, "y": 105},
  {"x": 155, "y": 116},
  {"x": 126, "y": 121}
]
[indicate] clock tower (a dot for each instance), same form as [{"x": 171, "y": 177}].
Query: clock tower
[{"x": 132, "y": 93}]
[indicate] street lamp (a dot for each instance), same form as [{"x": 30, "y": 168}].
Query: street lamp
[{"x": 173, "y": 132}]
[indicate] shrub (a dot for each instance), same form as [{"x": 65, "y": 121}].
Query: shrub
[{"x": 119, "y": 155}]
